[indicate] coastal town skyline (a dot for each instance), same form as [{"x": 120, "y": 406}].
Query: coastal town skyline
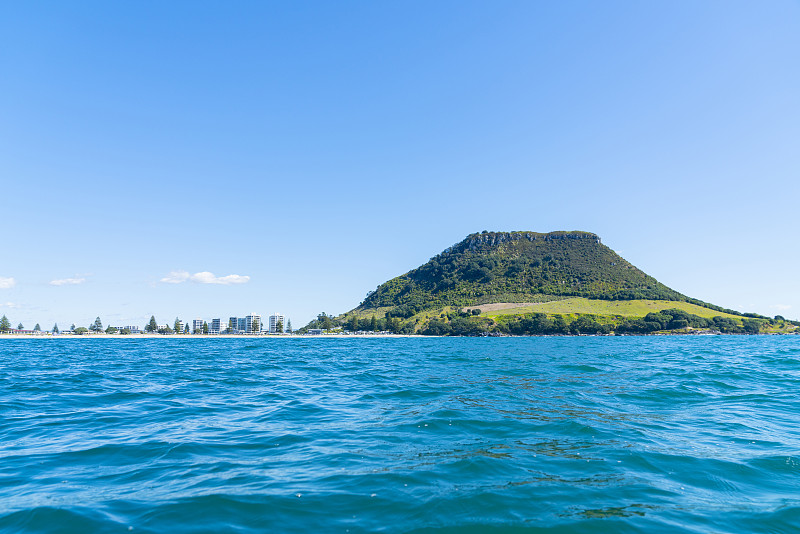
[{"x": 250, "y": 324}]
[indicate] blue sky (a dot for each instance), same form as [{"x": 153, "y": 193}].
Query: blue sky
[{"x": 209, "y": 159}]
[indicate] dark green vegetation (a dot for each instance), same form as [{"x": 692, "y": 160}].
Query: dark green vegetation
[
  {"x": 464, "y": 323},
  {"x": 518, "y": 267},
  {"x": 529, "y": 267}
]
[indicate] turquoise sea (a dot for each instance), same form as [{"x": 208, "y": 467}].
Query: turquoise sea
[{"x": 561, "y": 434}]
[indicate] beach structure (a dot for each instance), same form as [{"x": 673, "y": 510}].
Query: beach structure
[{"x": 132, "y": 329}]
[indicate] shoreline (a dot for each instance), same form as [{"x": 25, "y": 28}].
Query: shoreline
[{"x": 362, "y": 336}]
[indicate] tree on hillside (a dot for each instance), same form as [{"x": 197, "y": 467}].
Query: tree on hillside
[
  {"x": 55, "y": 328},
  {"x": 324, "y": 321},
  {"x": 393, "y": 324},
  {"x": 373, "y": 324},
  {"x": 152, "y": 326},
  {"x": 289, "y": 325},
  {"x": 37, "y": 328},
  {"x": 353, "y": 323},
  {"x": 97, "y": 326},
  {"x": 559, "y": 324},
  {"x": 5, "y": 325}
]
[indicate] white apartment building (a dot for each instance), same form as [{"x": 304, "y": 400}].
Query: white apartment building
[
  {"x": 273, "y": 322},
  {"x": 252, "y": 324},
  {"x": 197, "y": 325}
]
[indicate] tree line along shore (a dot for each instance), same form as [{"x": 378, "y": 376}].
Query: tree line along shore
[{"x": 473, "y": 322}]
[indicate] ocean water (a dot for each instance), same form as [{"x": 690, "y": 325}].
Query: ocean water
[{"x": 567, "y": 434}]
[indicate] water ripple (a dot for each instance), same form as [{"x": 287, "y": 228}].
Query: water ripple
[{"x": 560, "y": 435}]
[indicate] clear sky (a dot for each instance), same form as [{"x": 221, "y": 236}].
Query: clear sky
[{"x": 209, "y": 159}]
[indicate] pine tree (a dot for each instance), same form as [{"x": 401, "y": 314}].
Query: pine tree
[
  {"x": 97, "y": 326},
  {"x": 55, "y": 329},
  {"x": 186, "y": 328},
  {"x": 20, "y": 327},
  {"x": 72, "y": 327},
  {"x": 353, "y": 323},
  {"x": 177, "y": 326},
  {"x": 373, "y": 324},
  {"x": 289, "y": 325},
  {"x": 37, "y": 328},
  {"x": 5, "y": 324},
  {"x": 205, "y": 327},
  {"x": 152, "y": 326},
  {"x": 279, "y": 327}
]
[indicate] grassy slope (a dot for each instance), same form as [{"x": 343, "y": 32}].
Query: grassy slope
[{"x": 624, "y": 308}]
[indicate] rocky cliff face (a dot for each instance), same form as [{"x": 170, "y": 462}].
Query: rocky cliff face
[{"x": 473, "y": 241}]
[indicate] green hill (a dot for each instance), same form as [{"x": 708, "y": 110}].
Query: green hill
[
  {"x": 518, "y": 267},
  {"x": 528, "y": 282}
]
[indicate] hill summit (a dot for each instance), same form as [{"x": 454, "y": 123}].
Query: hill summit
[{"x": 517, "y": 267}]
